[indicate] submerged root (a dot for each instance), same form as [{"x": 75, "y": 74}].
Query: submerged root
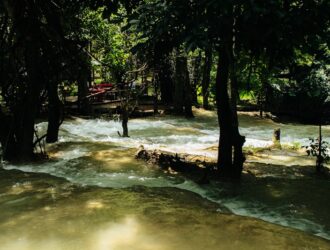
[
  {"x": 266, "y": 163},
  {"x": 173, "y": 163}
]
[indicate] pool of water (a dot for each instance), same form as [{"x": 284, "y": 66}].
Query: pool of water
[{"x": 93, "y": 194}]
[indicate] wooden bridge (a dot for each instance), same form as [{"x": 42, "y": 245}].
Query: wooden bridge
[{"x": 111, "y": 99}]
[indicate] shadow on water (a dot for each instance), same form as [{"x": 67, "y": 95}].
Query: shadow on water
[
  {"x": 93, "y": 194},
  {"x": 299, "y": 203},
  {"x": 50, "y": 213}
]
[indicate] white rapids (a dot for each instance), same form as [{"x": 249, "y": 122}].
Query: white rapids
[{"x": 90, "y": 153}]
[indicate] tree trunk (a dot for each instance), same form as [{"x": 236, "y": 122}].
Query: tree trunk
[
  {"x": 224, "y": 114},
  {"x": 124, "y": 122},
  {"x": 20, "y": 128},
  {"x": 238, "y": 140},
  {"x": 206, "y": 76},
  {"x": 180, "y": 76},
  {"x": 183, "y": 90},
  {"x": 262, "y": 95},
  {"x": 166, "y": 84},
  {"x": 25, "y": 118},
  {"x": 3, "y": 128},
  {"x": 188, "y": 93},
  {"x": 54, "y": 113},
  {"x": 319, "y": 158},
  {"x": 7, "y": 138},
  {"x": 83, "y": 102},
  {"x": 155, "y": 81}
]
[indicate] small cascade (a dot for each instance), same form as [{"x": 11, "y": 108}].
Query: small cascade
[{"x": 90, "y": 154}]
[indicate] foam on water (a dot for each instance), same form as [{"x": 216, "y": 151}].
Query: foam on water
[
  {"x": 276, "y": 215},
  {"x": 76, "y": 170},
  {"x": 176, "y": 135},
  {"x": 89, "y": 177}
]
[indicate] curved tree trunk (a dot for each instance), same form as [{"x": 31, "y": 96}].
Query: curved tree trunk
[
  {"x": 224, "y": 114},
  {"x": 231, "y": 158},
  {"x": 230, "y": 154}
]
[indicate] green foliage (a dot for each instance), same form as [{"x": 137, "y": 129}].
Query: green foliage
[
  {"x": 68, "y": 89},
  {"x": 303, "y": 59},
  {"x": 246, "y": 95},
  {"x": 52, "y": 29},
  {"x": 109, "y": 45},
  {"x": 317, "y": 83},
  {"x": 313, "y": 149}
]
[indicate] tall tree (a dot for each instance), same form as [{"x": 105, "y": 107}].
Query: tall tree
[
  {"x": 270, "y": 30},
  {"x": 40, "y": 50}
]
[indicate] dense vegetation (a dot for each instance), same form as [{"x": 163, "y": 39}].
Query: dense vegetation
[{"x": 274, "y": 54}]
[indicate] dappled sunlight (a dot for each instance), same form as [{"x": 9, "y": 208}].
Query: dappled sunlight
[
  {"x": 19, "y": 188},
  {"x": 94, "y": 204},
  {"x": 115, "y": 159},
  {"x": 103, "y": 198},
  {"x": 283, "y": 160},
  {"x": 199, "y": 112},
  {"x": 164, "y": 125},
  {"x": 175, "y": 134},
  {"x": 126, "y": 235},
  {"x": 24, "y": 243},
  {"x": 96, "y": 218}
]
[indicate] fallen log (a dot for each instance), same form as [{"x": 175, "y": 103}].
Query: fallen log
[{"x": 191, "y": 165}]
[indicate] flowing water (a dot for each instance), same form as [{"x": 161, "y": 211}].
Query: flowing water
[{"x": 93, "y": 194}]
